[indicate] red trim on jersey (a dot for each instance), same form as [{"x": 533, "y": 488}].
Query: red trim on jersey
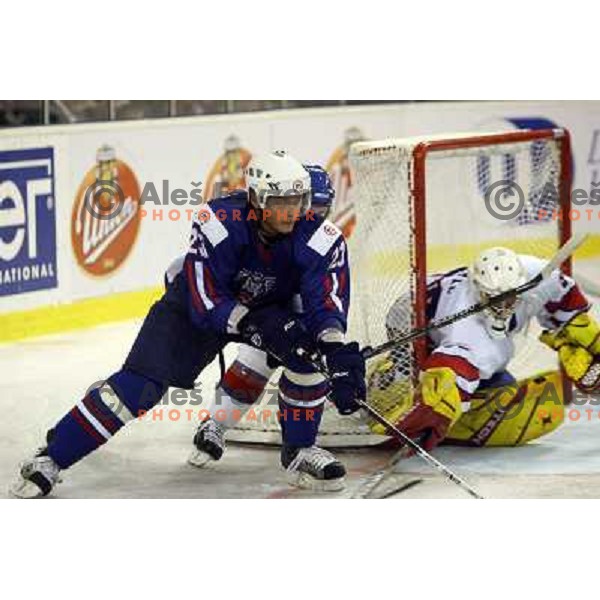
[
  {"x": 196, "y": 298},
  {"x": 573, "y": 300},
  {"x": 210, "y": 284},
  {"x": 460, "y": 365},
  {"x": 342, "y": 283},
  {"x": 328, "y": 287},
  {"x": 265, "y": 252}
]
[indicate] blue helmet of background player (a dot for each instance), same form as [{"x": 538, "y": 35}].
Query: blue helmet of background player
[{"x": 322, "y": 190}]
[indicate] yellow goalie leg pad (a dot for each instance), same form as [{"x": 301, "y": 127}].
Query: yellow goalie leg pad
[{"x": 512, "y": 415}]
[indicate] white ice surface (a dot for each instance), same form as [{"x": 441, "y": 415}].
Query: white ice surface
[{"x": 42, "y": 378}]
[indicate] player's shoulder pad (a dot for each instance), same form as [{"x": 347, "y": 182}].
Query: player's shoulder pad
[
  {"x": 322, "y": 236},
  {"x": 217, "y": 219}
]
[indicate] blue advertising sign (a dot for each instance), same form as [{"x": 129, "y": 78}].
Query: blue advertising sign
[{"x": 27, "y": 221}]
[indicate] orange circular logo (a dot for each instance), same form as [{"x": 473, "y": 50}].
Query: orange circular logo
[
  {"x": 227, "y": 174},
  {"x": 106, "y": 215}
]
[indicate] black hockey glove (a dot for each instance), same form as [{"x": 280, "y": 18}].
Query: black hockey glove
[
  {"x": 346, "y": 367},
  {"x": 279, "y": 333}
]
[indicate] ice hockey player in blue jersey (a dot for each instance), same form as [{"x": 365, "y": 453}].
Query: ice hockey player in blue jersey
[
  {"x": 250, "y": 255},
  {"x": 245, "y": 380}
]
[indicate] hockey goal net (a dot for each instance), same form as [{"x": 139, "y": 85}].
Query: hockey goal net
[{"x": 430, "y": 204}]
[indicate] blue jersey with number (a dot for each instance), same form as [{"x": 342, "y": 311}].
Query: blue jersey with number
[{"x": 230, "y": 268}]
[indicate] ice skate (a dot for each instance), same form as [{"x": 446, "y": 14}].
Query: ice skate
[
  {"x": 313, "y": 468},
  {"x": 209, "y": 443},
  {"x": 37, "y": 477}
]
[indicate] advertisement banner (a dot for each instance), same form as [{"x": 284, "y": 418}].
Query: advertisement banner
[
  {"x": 58, "y": 184},
  {"x": 27, "y": 221}
]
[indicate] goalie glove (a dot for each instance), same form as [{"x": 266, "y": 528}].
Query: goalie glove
[
  {"x": 436, "y": 408},
  {"x": 584, "y": 332},
  {"x": 578, "y": 347}
]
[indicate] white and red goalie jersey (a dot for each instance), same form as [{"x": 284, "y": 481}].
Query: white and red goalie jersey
[{"x": 466, "y": 347}]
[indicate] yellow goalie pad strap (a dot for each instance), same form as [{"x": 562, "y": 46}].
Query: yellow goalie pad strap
[
  {"x": 581, "y": 331},
  {"x": 512, "y": 415}
]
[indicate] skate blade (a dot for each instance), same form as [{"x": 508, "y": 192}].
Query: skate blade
[
  {"x": 25, "y": 490},
  {"x": 307, "y": 482},
  {"x": 199, "y": 459}
]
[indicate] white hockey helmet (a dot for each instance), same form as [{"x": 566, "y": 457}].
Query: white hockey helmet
[
  {"x": 498, "y": 270},
  {"x": 278, "y": 174}
]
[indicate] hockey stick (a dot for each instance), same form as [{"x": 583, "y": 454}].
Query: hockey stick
[
  {"x": 407, "y": 441},
  {"x": 420, "y": 451},
  {"x": 374, "y": 480},
  {"x": 563, "y": 253},
  {"x": 402, "y": 488}
]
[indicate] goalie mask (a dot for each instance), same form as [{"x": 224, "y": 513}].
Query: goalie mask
[
  {"x": 276, "y": 175},
  {"x": 498, "y": 270}
]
